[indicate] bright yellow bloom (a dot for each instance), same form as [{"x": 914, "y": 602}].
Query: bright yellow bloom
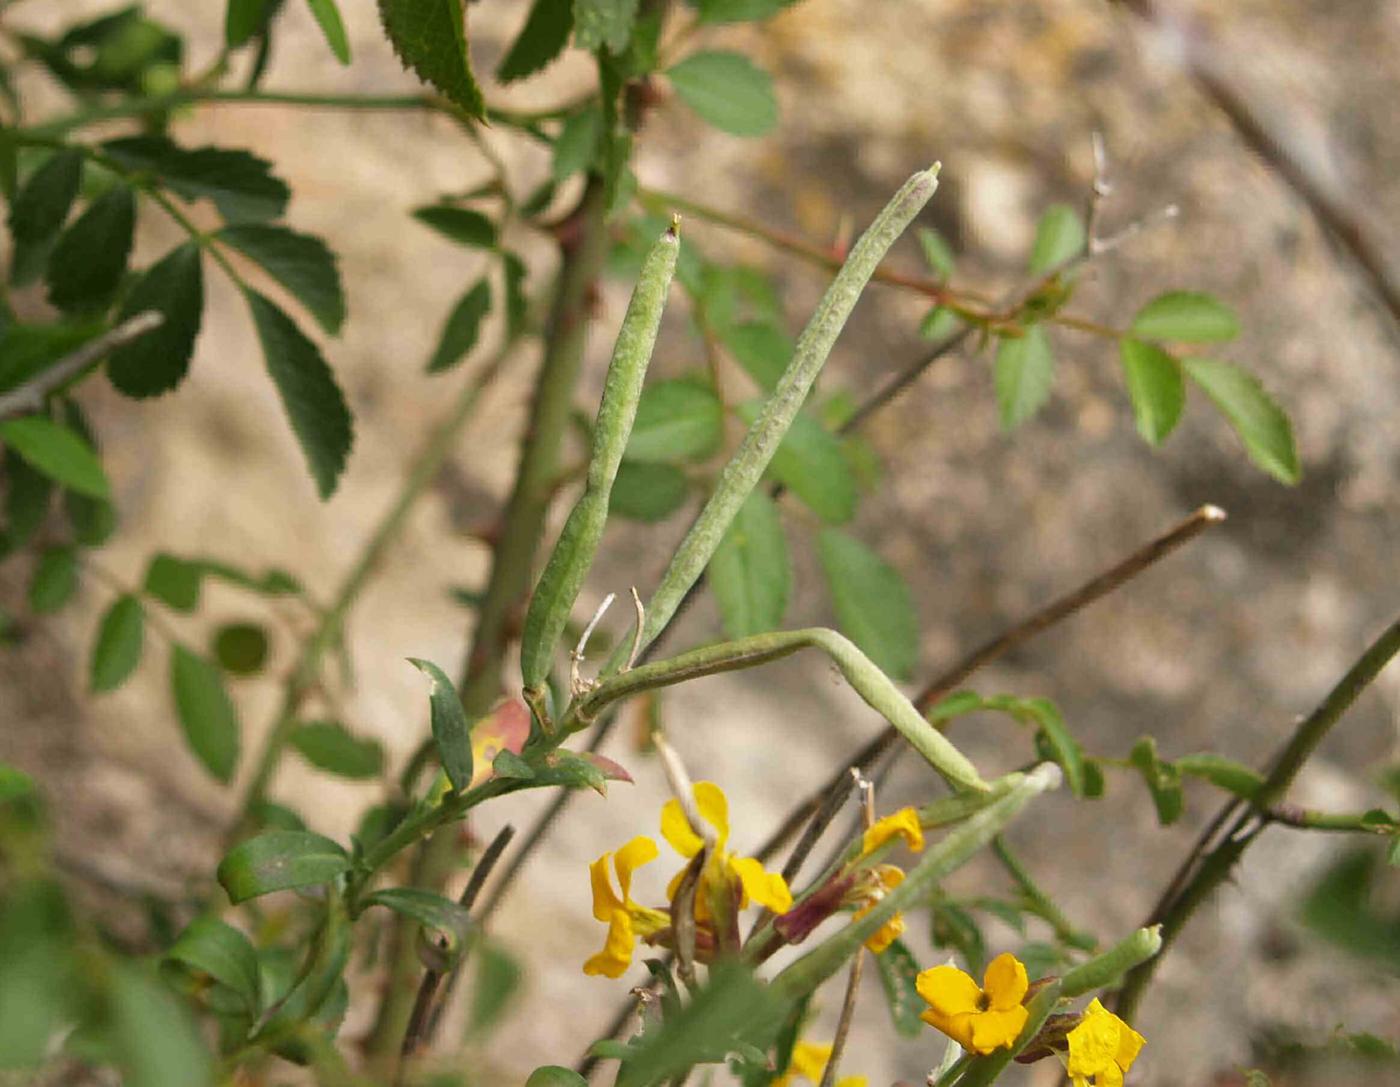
[
  {"x": 1102, "y": 1048},
  {"x": 766, "y": 888},
  {"x": 902, "y": 824},
  {"x": 809, "y": 1060},
  {"x": 978, "y": 1019},
  {"x": 626, "y": 920}
]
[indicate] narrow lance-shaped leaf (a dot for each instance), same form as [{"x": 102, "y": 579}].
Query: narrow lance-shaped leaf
[
  {"x": 430, "y": 37},
  {"x": 1155, "y": 386},
  {"x": 117, "y": 651},
  {"x": 543, "y": 38},
  {"x": 206, "y": 712},
  {"x": 463, "y": 327},
  {"x": 573, "y": 554},
  {"x": 728, "y": 91},
  {"x": 899, "y": 971},
  {"x": 1261, "y": 424},
  {"x": 1162, "y": 780},
  {"x": 749, "y": 462},
  {"x": 87, "y": 263},
  {"x": 301, "y": 263},
  {"x": 750, "y": 574},
  {"x": 159, "y": 360},
  {"x": 329, "y": 746},
  {"x": 55, "y": 580},
  {"x": 279, "y": 860},
  {"x": 462, "y": 225},
  {"x": 58, "y": 453},
  {"x": 428, "y": 909},
  {"x": 328, "y": 16},
  {"x": 449, "y": 722}
]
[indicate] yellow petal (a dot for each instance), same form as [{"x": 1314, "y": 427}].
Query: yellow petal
[
  {"x": 957, "y": 1027},
  {"x": 616, "y": 955},
  {"x": 605, "y": 900},
  {"x": 675, "y": 828},
  {"x": 714, "y": 809},
  {"x": 1093, "y": 1044},
  {"x": 886, "y": 934},
  {"x": 948, "y": 991},
  {"x": 889, "y": 875},
  {"x": 1130, "y": 1043},
  {"x": 995, "y": 1029},
  {"x": 1005, "y": 982},
  {"x": 639, "y": 851},
  {"x": 902, "y": 824},
  {"x": 852, "y": 1081},
  {"x": 809, "y": 1060},
  {"x": 768, "y": 889}
]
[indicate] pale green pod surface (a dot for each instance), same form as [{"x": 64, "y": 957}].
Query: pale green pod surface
[{"x": 573, "y": 554}]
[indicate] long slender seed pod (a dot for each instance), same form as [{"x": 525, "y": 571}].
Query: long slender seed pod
[
  {"x": 749, "y": 462},
  {"x": 1106, "y": 970},
  {"x": 573, "y": 554}
]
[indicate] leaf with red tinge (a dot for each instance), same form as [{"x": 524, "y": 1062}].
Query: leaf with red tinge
[{"x": 505, "y": 728}]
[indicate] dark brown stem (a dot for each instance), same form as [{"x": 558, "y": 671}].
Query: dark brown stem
[{"x": 848, "y": 1011}]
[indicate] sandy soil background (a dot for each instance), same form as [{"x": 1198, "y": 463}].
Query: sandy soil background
[{"x": 1220, "y": 647}]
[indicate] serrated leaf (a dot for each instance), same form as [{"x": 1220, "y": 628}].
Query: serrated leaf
[
  {"x": 240, "y": 184},
  {"x": 1059, "y": 237},
  {"x": 938, "y": 254},
  {"x": 1229, "y": 775},
  {"x": 280, "y": 860},
  {"x": 328, "y": 746},
  {"x": 648, "y": 492},
  {"x": 240, "y": 648},
  {"x": 174, "y": 581},
  {"x": 1155, "y": 386},
  {"x": 541, "y": 39},
  {"x": 159, "y": 360},
  {"x": 676, "y": 421},
  {"x": 1025, "y": 370},
  {"x": 463, "y": 328},
  {"x": 1188, "y": 316},
  {"x": 899, "y": 971},
  {"x": 216, "y": 949},
  {"x": 872, "y": 602},
  {"x": 206, "y": 712},
  {"x": 1162, "y": 779},
  {"x": 600, "y": 23},
  {"x": 87, "y": 264},
  {"x": 58, "y": 453},
  {"x": 750, "y": 573},
  {"x": 302, "y": 263},
  {"x": 328, "y": 17},
  {"x": 450, "y": 732},
  {"x": 117, "y": 651},
  {"x": 461, "y": 225},
  {"x": 727, "y": 91},
  {"x": 576, "y": 146},
  {"x": 55, "y": 580},
  {"x": 313, "y": 401},
  {"x": 761, "y": 348},
  {"x": 810, "y": 462},
  {"x": 430, "y": 37},
  {"x": 1261, "y": 424},
  {"x": 40, "y": 208}
]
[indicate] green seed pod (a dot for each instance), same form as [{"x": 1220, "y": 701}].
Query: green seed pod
[{"x": 563, "y": 576}]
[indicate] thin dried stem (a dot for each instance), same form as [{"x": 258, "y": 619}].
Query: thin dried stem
[{"x": 30, "y": 397}]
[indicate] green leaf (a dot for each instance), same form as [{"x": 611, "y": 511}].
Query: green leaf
[
  {"x": 750, "y": 573},
  {"x": 1155, "y": 386},
  {"x": 240, "y": 184},
  {"x": 899, "y": 971},
  {"x": 328, "y": 16},
  {"x": 1261, "y": 424},
  {"x": 739, "y": 11},
  {"x": 58, "y": 453},
  {"x": 1229, "y": 775},
  {"x": 727, "y": 91},
  {"x": 87, "y": 263},
  {"x": 118, "y": 648},
  {"x": 240, "y": 648},
  {"x": 155, "y": 1042},
  {"x": 543, "y": 37},
  {"x": 206, "y": 713},
  {"x": 648, "y": 492},
  {"x": 28, "y": 494},
  {"x": 939, "y": 323},
  {"x": 599, "y": 23},
  {"x": 313, "y": 401},
  {"x": 953, "y": 927},
  {"x": 1065, "y": 748},
  {"x": 461, "y": 225},
  {"x": 279, "y": 860},
  {"x": 215, "y": 949},
  {"x": 55, "y": 580},
  {"x": 761, "y": 348},
  {"x": 450, "y": 730},
  {"x": 1025, "y": 369},
  {"x": 938, "y": 254},
  {"x": 676, "y": 421},
  {"x": 1059, "y": 236},
  {"x": 428, "y": 909},
  {"x": 463, "y": 327},
  {"x": 872, "y": 602},
  {"x": 576, "y": 146},
  {"x": 1187, "y": 316},
  {"x": 14, "y": 784},
  {"x": 159, "y": 360},
  {"x": 174, "y": 581},
  {"x": 301, "y": 263},
  {"x": 243, "y": 19},
  {"x": 517, "y": 305},
  {"x": 40, "y": 208},
  {"x": 811, "y": 464},
  {"x": 328, "y": 746},
  {"x": 1163, "y": 781},
  {"x": 498, "y": 977},
  {"x": 430, "y": 37},
  {"x": 552, "y": 1075}
]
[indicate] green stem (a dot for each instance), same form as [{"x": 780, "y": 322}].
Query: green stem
[
  {"x": 1039, "y": 901},
  {"x": 1360, "y": 822},
  {"x": 985, "y": 1070}
]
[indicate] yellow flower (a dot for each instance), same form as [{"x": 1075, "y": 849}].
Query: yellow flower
[
  {"x": 766, "y": 888},
  {"x": 1102, "y": 1048},
  {"x": 902, "y": 824},
  {"x": 626, "y": 921},
  {"x": 809, "y": 1060},
  {"x": 886, "y": 877},
  {"x": 978, "y": 1019}
]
